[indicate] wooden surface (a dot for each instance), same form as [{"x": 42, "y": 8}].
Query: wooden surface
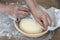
[
  {"x": 49, "y": 3},
  {"x": 46, "y": 4},
  {"x": 56, "y": 35}
]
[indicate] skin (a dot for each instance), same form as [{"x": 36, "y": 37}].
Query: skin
[
  {"x": 40, "y": 16},
  {"x": 14, "y": 10}
]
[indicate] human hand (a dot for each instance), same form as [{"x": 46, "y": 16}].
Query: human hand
[
  {"x": 42, "y": 18},
  {"x": 19, "y": 11},
  {"x": 13, "y": 10}
]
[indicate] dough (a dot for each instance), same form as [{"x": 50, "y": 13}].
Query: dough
[{"x": 30, "y": 26}]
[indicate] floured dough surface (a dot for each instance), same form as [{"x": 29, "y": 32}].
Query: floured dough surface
[{"x": 30, "y": 26}]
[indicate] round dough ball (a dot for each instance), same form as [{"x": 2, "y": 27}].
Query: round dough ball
[{"x": 30, "y": 26}]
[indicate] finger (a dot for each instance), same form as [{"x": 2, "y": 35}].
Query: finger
[
  {"x": 49, "y": 20},
  {"x": 44, "y": 21},
  {"x": 22, "y": 14},
  {"x": 23, "y": 9},
  {"x": 25, "y": 13},
  {"x": 39, "y": 21}
]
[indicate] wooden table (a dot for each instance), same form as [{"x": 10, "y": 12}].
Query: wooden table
[
  {"x": 56, "y": 35},
  {"x": 46, "y": 4}
]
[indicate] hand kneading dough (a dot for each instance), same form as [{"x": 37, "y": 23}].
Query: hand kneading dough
[{"x": 30, "y": 26}]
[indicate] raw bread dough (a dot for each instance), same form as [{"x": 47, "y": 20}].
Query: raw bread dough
[{"x": 30, "y": 26}]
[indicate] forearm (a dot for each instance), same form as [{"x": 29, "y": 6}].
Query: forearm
[
  {"x": 5, "y": 9},
  {"x": 32, "y": 5}
]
